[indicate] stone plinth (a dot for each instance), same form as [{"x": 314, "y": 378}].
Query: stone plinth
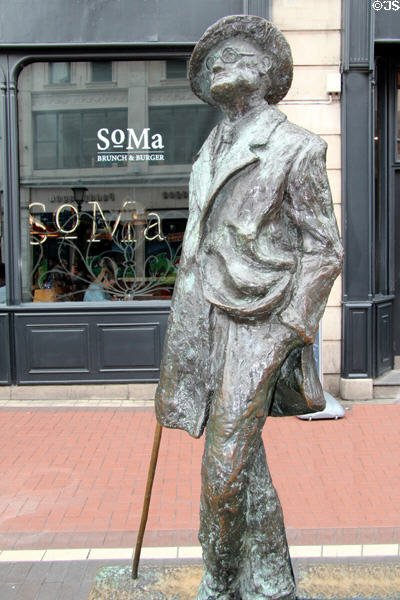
[{"x": 153, "y": 583}]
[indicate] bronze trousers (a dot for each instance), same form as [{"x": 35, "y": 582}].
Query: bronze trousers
[{"x": 242, "y": 533}]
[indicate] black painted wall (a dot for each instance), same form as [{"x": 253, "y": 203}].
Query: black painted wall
[
  {"x": 116, "y": 21},
  {"x": 74, "y": 346},
  {"x": 387, "y": 23},
  {"x": 368, "y": 315}
]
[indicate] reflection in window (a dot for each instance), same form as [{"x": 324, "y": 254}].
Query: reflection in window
[
  {"x": 122, "y": 240},
  {"x": 101, "y": 256},
  {"x": 186, "y": 127},
  {"x": 67, "y": 139},
  {"x": 102, "y": 70},
  {"x": 176, "y": 68},
  {"x": 60, "y": 72}
]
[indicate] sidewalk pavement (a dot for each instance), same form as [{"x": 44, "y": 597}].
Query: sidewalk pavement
[{"x": 73, "y": 478}]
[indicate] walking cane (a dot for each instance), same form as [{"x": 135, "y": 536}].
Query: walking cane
[{"x": 147, "y": 497}]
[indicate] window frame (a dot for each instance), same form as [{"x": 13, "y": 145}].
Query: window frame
[{"x": 397, "y": 115}]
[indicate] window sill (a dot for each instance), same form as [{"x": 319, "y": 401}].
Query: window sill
[
  {"x": 59, "y": 86},
  {"x": 100, "y": 84}
]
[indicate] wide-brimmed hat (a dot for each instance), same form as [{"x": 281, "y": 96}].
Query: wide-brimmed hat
[{"x": 260, "y": 32}]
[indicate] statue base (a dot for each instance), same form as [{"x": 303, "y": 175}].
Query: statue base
[
  {"x": 153, "y": 583},
  {"x": 315, "y": 581}
]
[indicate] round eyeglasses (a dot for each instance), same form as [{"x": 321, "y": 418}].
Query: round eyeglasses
[{"x": 228, "y": 55}]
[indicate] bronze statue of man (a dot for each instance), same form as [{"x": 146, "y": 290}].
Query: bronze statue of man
[{"x": 260, "y": 254}]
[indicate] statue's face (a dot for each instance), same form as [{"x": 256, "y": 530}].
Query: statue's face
[{"x": 235, "y": 67}]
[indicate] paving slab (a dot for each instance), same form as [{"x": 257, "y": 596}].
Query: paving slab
[{"x": 48, "y": 581}]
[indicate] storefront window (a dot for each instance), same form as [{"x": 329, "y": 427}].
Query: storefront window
[{"x": 103, "y": 179}]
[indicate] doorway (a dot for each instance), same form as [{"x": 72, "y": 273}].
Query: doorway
[{"x": 387, "y": 209}]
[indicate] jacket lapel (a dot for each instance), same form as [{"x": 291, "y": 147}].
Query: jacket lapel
[
  {"x": 254, "y": 132},
  {"x": 239, "y": 156},
  {"x": 201, "y": 176}
]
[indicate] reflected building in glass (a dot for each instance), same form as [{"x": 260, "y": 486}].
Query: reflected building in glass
[{"x": 106, "y": 149}]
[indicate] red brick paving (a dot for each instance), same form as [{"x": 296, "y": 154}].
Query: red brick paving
[{"x": 75, "y": 478}]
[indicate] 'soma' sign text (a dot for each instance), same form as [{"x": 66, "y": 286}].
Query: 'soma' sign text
[{"x": 128, "y": 140}]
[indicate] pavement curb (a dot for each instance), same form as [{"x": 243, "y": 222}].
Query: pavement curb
[{"x": 191, "y": 552}]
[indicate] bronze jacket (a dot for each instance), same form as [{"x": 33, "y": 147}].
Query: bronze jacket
[{"x": 261, "y": 241}]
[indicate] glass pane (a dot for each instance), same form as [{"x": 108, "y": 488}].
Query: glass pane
[
  {"x": 187, "y": 126},
  {"x": 176, "y": 69},
  {"x": 102, "y": 70},
  {"x": 46, "y": 127},
  {"x": 104, "y": 182},
  {"x": 60, "y": 72},
  {"x": 205, "y": 121},
  {"x": 69, "y": 140},
  {"x": 46, "y": 155}
]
